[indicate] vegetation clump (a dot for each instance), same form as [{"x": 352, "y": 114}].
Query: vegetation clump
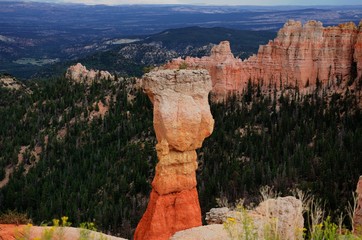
[
  {"x": 318, "y": 226},
  {"x": 14, "y": 217}
]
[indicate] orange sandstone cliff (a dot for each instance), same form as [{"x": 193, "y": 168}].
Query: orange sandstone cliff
[
  {"x": 182, "y": 120},
  {"x": 300, "y": 56}
]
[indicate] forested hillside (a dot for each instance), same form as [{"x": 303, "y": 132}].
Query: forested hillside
[
  {"x": 89, "y": 169},
  {"x": 148, "y": 51},
  {"x": 87, "y": 152}
]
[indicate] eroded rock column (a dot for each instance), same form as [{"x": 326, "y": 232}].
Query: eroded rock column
[{"x": 182, "y": 120}]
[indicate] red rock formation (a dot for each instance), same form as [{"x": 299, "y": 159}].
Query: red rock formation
[
  {"x": 170, "y": 213},
  {"x": 299, "y": 56},
  {"x": 357, "y": 216},
  {"x": 357, "y": 56},
  {"x": 182, "y": 120},
  {"x": 8, "y": 231},
  {"x": 225, "y": 70}
]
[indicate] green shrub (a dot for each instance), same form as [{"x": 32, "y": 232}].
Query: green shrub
[{"x": 183, "y": 66}]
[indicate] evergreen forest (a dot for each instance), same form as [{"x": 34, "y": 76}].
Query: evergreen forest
[{"x": 69, "y": 160}]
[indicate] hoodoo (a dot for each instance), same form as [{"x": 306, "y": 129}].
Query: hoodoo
[{"x": 182, "y": 120}]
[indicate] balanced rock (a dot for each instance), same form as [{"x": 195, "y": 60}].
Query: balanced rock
[{"x": 182, "y": 120}]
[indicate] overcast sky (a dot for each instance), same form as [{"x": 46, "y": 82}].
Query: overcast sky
[{"x": 215, "y": 2}]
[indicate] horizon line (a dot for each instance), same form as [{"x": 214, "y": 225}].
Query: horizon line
[{"x": 180, "y": 4}]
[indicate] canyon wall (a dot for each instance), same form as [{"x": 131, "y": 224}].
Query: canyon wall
[
  {"x": 300, "y": 56},
  {"x": 182, "y": 120}
]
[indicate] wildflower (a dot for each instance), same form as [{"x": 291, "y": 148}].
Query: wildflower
[
  {"x": 64, "y": 220},
  {"x": 56, "y": 222}
]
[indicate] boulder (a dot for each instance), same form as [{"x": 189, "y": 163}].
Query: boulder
[
  {"x": 217, "y": 215},
  {"x": 279, "y": 218}
]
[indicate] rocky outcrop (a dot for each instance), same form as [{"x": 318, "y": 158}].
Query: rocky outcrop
[
  {"x": 357, "y": 216},
  {"x": 284, "y": 214},
  {"x": 182, "y": 120},
  {"x": 80, "y": 74},
  {"x": 279, "y": 218},
  {"x": 10, "y": 83},
  {"x": 217, "y": 215},
  {"x": 299, "y": 57}
]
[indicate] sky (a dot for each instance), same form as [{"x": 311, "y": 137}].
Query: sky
[{"x": 214, "y": 2}]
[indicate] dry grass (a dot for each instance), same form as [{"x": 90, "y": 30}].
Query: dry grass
[{"x": 14, "y": 217}]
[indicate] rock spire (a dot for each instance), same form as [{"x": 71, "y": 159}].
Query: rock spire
[{"x": 182, "y": 120}]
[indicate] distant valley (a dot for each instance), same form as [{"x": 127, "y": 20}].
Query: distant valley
[
  {"x": 132, "y": 59},
  {"x": 34, "y": 36}
]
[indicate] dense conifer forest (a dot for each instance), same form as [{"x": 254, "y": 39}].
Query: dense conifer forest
[{"x": 99, "y": 169}]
